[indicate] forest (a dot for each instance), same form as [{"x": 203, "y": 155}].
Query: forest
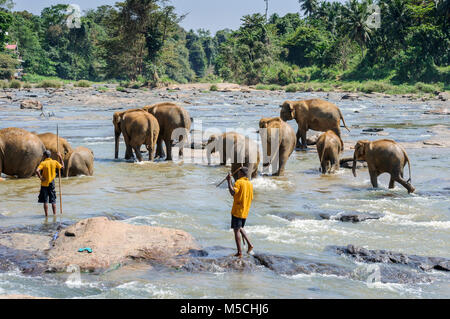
[{"x": 141, "y": 42}]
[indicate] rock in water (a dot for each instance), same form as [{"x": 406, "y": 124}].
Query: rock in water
[
  {"x": 389, "y": 257},
  {"x": 31, "y": 105},
  {"x": 115, "y": 242},
  {"x": 351, "y": 217}
]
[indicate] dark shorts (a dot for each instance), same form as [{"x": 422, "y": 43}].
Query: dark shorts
[
  {"x": 47, "y": 194},
  {"x": 237, "y": 222}
]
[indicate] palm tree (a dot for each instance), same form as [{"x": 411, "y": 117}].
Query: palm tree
[
  {"x": 308, "y": 6},
  {"x": 356, "y": 16},
  {"x": 267, "y": 8},
  {"x": 398, "y": 15}
]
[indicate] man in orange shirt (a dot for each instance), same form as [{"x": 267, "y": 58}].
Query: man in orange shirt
[
  {"x": 48, "y": 168},
  {"x": 242, "y": 193}
]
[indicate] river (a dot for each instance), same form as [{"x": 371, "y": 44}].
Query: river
[{"x": 182, "y": 194}]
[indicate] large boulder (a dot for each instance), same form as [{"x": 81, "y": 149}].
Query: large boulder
[
  {"x": 31, "y": 105},
  {"x": 114, "y": 243}
]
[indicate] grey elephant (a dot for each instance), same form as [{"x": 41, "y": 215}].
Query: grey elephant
[
  {"x": 81, "y": 162},
  {"x": 383, "y": 156},
  {"x": 138, "y": 127},
  {"x": 329, "y": 149},
  {"x": 237, "y": 148},
  {"x": 278, "y": 142},
  {"x": 174, "y": 123},
  {"x": 314, "y": 114},
  {"x": 20, "y": 152}
]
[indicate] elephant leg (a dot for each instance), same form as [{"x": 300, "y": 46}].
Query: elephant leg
[
  {"x": 159, "y": 148},
  {"x": 168, "y": 143},
  {"x": 391, "y": 182},
  {"x": 373, "y": 178},
  {"x": 129, "y": 150},
  {"x": 405, "y": 184},
  {"x": 282, "y": 160},
  {"x": 251, "y": 171},
  {"x": 137, "y": 151},
  {"x": 223, "y": 158},
  {"x": 150, "y": 150},
  {"x": 299, "y": 136}
]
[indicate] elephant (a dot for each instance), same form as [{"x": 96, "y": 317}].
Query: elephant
[
  {"x": 237, "y": 148},
  {"x": 20, "y": 152},
  {"x": 138, "y": 127},
  {"x": 329, "y": 148},
  {"x": 81, "y": 162},
  {"x": 50, "y": 143},
  {"x": 117, "y": 118},
  {"x": 174, "y": 122},
  {"x": 314, "y": 114},
  {"x": 383, "y": 156},
  {"x": 275, "y": 130}
]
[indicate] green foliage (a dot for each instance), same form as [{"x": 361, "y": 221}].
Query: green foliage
[
  {"x": 142, "y": 44},
  {"x": 7, "y": 66},
  {"x": 14, "y": 84},
  {"x": 82, "y": 84},
  {"x": 49, "y": 84},
  {"x": 5, "y": 23},
  {"x": 213, "y": 88}
]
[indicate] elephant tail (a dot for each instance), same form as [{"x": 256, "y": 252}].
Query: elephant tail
[
  {"x": 409, "y": 167},
  {"x": 343, "y": 121}
]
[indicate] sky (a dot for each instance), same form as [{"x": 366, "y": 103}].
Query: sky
[{"x": 212, "y": 15}]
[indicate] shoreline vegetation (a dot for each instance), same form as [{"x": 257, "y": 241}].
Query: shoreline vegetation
[
  {"x": 329, "y": 46},
  {"x": 419, "y": 89}
]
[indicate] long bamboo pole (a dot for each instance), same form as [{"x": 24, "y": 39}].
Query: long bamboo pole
[
  {"x": 59, "y": 170},
  {"x": 226, "y": 178}
]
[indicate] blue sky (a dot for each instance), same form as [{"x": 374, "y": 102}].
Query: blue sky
[{"x": 208, "y": 14}]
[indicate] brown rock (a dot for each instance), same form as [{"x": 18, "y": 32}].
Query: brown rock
[
  {"x": 114, "y": 242},
  {"x": 31, "y": 105}
]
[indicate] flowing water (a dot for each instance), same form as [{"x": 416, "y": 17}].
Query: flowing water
[{"x": 182, "y": 194}]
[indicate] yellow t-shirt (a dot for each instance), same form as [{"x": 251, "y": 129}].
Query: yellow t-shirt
[
  {"x": 242, "y": 198},
  {"x": 48, "y": 168}
]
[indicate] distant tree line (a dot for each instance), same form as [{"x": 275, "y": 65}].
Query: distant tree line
[{"x": 141, "y": 40}]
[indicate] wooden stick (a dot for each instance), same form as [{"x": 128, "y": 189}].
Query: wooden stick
[
  {"x": 226, "y": 178},
  {"x": 59, "y": 170}
]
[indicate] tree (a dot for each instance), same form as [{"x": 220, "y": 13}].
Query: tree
[
  {"x": 7, "y": 4},
  {"x": 355, "y": 17},
  {"x": 267, "y": 9},
  {"x": 309, "y": 7},
  {"x": 5, "y": 23}
]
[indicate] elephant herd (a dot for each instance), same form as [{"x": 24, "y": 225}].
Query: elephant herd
[
  {"x": 166, "y": 122},
  {"x": 22, "y": 151}
]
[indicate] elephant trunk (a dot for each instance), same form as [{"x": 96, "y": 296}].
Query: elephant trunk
[
  {"x": 354, "y": 165},
  {"x": 116, "y": 154}
]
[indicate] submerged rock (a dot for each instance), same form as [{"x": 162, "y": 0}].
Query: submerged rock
[
  {"x": 388, "y": 257},
  {"x": 288, "y": 216},
  {"x": 31, "y": 105},
  {"x": 351, "y": 217},
  {"x": 114, "y": 242}
]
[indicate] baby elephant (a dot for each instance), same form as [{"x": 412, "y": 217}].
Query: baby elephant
[
  {"x": 383, "y": 156},
  {"x": 329, "y": 148}
]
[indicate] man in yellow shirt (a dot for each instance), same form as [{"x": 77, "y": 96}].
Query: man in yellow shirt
[
  {"x": 48, "y": 168},
  {"x": 242, "y": 193}
]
